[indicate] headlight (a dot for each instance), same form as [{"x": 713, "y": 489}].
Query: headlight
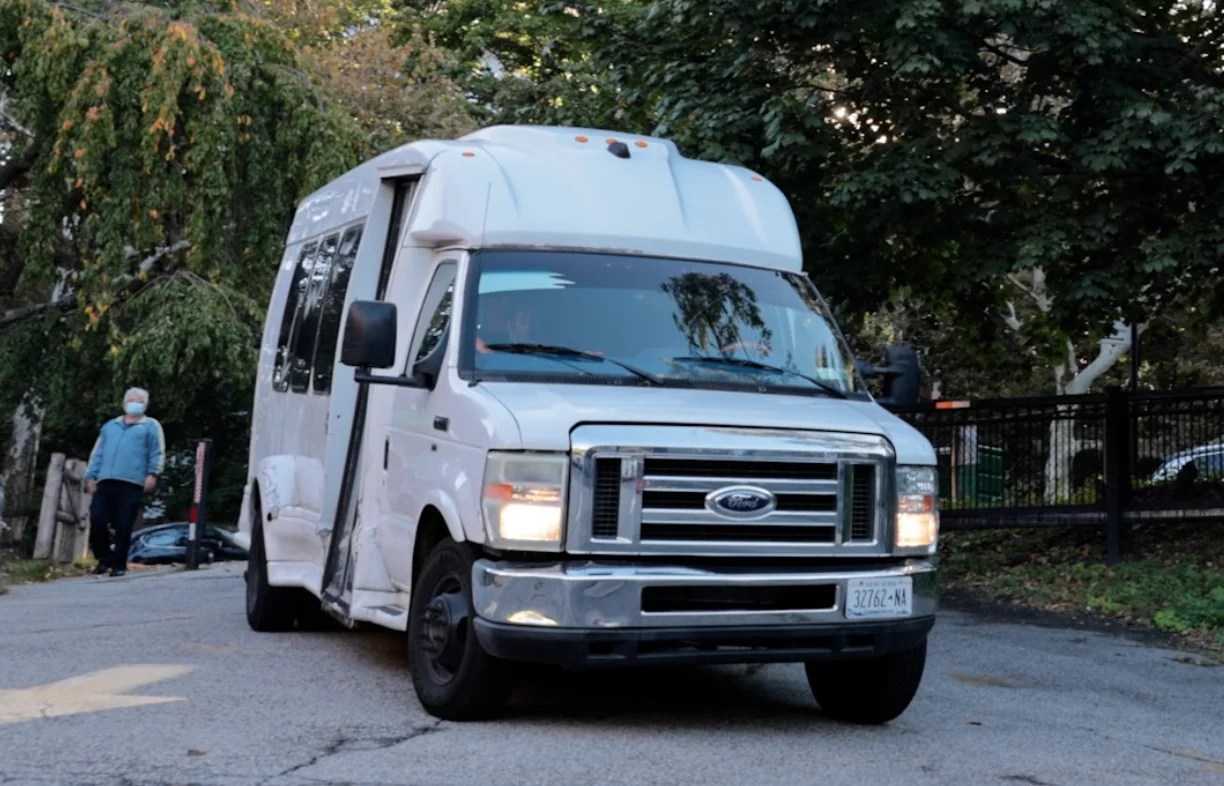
[
  {"x": 917, "y": 529},
  {"x": 524, "y": 500}
]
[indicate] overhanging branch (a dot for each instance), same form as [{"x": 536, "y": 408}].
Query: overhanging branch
[{"x": 26, "y": 312}]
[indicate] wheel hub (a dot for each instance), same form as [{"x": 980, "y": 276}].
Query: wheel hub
[{"x": 444, "y": 632}]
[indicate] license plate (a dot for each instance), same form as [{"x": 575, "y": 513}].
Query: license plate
[{"x": 867, "y": 598}]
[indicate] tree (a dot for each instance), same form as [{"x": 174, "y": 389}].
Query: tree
[
  {"x": 394, "y": 84},
  {"x": 151, "y": 159},
  {"x": 935, "y": 151},
  {"x": 943, "y": 145},
  {"x": 523, "y": 62}
]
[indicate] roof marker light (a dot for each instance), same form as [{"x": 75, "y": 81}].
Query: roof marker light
[
  {"x": 468, "y": 154},
  {"x": 612, "y": 140},
  {"x": 757, "y": 178},
  {"x": 640, "y": 143},
  {"x": 580, "y": 138}
]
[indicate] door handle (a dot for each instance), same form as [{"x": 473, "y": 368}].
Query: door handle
[{"x": 441, "y": 423}]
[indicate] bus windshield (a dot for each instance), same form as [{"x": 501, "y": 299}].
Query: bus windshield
[{"x": 607, "y": 318}]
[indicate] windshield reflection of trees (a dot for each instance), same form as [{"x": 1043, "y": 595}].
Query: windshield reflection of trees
[{"x": 712, "y": 310}]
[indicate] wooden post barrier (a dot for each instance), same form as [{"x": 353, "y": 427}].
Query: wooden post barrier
[
  {"x": 72, "y": 518},
  {"x": 63, "y": 521},
  {"x": 45, "y": 538}
]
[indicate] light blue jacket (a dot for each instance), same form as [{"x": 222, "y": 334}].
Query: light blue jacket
[{"x": 128, "y": 451}]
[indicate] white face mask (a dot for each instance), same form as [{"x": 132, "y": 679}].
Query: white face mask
[{"x": 134, "y": 408}]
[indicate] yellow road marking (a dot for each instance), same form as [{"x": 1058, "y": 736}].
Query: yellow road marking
[{"x": 99, "y": 690}]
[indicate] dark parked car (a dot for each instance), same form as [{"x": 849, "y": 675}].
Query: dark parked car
[{"x": 167, "y": 543}]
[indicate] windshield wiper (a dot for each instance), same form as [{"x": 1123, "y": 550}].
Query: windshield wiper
[
  {"x": 570, "y": 352},
  {"x": 757, "y": 365}
]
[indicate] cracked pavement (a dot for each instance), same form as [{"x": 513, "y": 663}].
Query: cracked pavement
[{"x": 1002, "y": 703}]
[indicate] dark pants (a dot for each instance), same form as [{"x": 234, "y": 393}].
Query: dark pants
[{"x": 115, "y": 504}]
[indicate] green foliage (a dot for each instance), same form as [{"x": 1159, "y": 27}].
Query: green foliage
[
  {"x": 168, "y": 146},
  {"x": 396, "y": 90},
  {"x": 526, "y": 62},
  {"x": 942, "y": 144},
  {"x": 1174, "y": 581}
]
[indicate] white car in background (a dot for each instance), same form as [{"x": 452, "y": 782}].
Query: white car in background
[{"x": 1208, "y": 461}]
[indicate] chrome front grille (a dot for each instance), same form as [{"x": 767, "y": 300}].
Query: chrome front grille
[
  {"x": 657, "y": 490},
  {"x": 676, "y": 508}
]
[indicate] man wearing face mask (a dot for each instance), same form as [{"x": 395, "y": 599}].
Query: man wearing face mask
[{"x": 125, "y": 464}]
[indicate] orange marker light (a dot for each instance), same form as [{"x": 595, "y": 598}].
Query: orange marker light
[
  {"x": 640, "y": 143},
  {"x": 951, "y": 405},
  {"x": 502, "y": 492},
  {"x": 581, "y": 138},
  {"x": 468, "y": 154},
  {"x": 757, "y": 178},
  {"x": 611, "y": 140}
]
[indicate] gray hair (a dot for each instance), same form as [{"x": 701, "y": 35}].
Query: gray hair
[{"x": 140, "y": 393}]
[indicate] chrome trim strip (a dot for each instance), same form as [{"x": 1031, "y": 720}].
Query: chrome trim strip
[
  {"x": 706, "y": 485},
  {"x": 702, "y": 517}
]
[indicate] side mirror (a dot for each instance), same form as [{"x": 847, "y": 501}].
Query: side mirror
[
  {"x": 901, "y": 374},
  {"x": 369, "y": 335}
]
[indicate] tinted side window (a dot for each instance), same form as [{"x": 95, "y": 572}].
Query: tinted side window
[
  {"x": 164, "y": 539},
  {"x": 307, "y": 330},
  {"x": 1210, "y": 465},
  {"x": 435, "y": 314},
  {"x": 333, "y": 309},
  {"x": 280, "y": 375}
]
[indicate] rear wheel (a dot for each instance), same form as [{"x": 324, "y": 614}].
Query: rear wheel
[
  {"x": 455, "y": 679},
  {"x": 268, "y": 608},
  {"x": 868, "y": 691}
]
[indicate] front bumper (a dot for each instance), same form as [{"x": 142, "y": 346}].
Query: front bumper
[{"x": 587, "y": 614}]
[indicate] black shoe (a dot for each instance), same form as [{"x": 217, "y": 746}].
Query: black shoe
[
  {"x": 98, "y": 571},
  {"x": 118, "y": 572}
]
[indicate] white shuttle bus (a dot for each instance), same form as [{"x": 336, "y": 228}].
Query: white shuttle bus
[{"x": 566, "y": 396}]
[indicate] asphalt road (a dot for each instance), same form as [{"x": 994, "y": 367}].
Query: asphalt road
[{"x": 1002, "y": 703}]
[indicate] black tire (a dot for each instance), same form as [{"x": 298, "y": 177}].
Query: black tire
[
  {"x": 268, "y": 608},
  {"x": 868, "y": 691},
  {"x": 455, "y": 679}
]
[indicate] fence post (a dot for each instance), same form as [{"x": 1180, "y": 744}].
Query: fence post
[
  {"x": 1117, "y": 470},
  {"x": 199, "y": 503}
]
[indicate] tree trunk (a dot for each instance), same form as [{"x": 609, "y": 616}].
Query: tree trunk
[
  {"x": 1071, "y": 380},
  {"x": 17, "y": 469}
]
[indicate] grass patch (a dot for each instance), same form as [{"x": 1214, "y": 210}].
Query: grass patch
[
  {"x": 15, "y": 571},
  {"x": 1171, "y": 580}
]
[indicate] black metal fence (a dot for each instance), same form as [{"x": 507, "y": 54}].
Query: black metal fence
[{"x": 1107, "y": 460}]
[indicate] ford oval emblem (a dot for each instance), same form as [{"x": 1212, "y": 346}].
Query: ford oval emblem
[{"x": 741, "y": 502}]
